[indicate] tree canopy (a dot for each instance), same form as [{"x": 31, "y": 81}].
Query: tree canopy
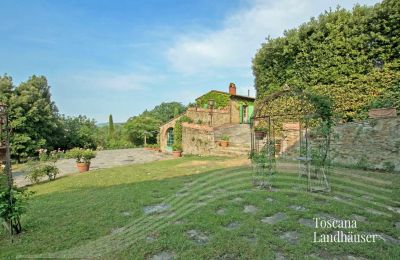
[
  {"x": 165, "y": 111},
  {"x": 141, "y": 128},
  {"x": 33, "y": 117},
  {"x": 352, "y": 56},
  {"x": 35, "y": 120}
]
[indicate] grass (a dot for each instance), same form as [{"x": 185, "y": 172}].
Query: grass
[{"x": 100, "y": 214}]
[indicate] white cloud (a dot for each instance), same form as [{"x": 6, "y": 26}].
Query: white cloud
[
  {"x": 235, "y": 44},
  {"x": 114, "y": 81}
]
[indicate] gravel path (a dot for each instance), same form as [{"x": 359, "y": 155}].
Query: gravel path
[{"x": 104, "y": 159}]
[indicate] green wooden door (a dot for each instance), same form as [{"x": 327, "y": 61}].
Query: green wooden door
[{"x": 250, "y": 113}]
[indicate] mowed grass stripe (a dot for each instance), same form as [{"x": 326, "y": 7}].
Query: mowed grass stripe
[{"x": 137, "y": 231}]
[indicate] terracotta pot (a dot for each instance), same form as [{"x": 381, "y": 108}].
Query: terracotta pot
[
  {"x": 83, "y": 167},
  {"x": 382, "y": 113},
  {"x": 177, "y": 154},
  {"x": 259, "y": 135},
  {"x": 224, "y": 143}
]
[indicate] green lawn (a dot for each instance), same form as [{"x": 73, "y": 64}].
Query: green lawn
[{"x": 101, "y": 214}]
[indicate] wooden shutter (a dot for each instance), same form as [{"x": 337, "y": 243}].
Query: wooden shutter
[{"x": 250, "y": 113}]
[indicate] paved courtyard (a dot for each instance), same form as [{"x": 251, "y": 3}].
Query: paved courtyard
[{"x": 104, "y": 159}]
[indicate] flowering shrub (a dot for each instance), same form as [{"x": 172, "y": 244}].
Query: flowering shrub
[
  {"x": 53, "y": 156},
  {"x": 81, "y": 155},
  {"x": 36, "y": 170},
  {"x": 46, "y": 166}
]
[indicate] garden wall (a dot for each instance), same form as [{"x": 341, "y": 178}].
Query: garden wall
[
  {"x": 197, "y": 139},
  {"x": 219, "y": 117},
  {"x": 374, "y": 143},
  {"x": 204, "y": 139}
]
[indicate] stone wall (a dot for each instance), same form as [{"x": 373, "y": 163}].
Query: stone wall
[
  {"x": 204, "y": 139},
  {"x": 197, "y": 139},
  {"x": 375, "y": 142},
  {"x": 235, "y": 112},
  {"x": 289, "y": 139},
  {"x": 219, "y": 116},
  {"x": 239, "y": 134}
]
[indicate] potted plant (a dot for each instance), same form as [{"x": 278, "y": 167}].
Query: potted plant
[
  {"x": 82, "y": 157},
  {"x": 224, "y": 141},
  {"x": 177, "y": 150},
  {"x": 259, "y": 133}
]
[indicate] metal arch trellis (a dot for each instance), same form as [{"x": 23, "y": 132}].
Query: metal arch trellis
[{"x": 313, "y": 150}]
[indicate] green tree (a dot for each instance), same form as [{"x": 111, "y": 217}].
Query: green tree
[
  {"x": 111, "y": 129},
  {"x": 142, "y": 129},
  {"x": 352, "y": 56},
  {"x": 79, "y": 131},
  {"x": 165, "y": 111},
  {"x": 6, "y": 89},
  {"x": 33, "y": 117}
]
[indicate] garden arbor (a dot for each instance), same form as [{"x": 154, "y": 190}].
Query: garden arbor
[{"x": 296, "y": 125}]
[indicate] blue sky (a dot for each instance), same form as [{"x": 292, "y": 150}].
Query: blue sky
[{"x": 122, "y": 57}]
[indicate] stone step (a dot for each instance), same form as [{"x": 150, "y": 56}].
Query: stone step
[
  {"x": 231, "y": 151},
  {"x": 234, "y": 148},
  {"x": 229, "y": 154}
]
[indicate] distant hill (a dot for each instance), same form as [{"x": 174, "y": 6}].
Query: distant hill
[{"x": 106, "y": 124}]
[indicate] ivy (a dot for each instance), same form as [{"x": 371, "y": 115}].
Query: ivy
[
  {"x": 221, "y": 100},
  {"x": 245, "y": 103},
  {"x": 177, "y": 146},
  {"x": 351, "y": 56}
]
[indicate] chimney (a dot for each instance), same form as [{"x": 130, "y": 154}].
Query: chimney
[{"x": 232, "y": 89}]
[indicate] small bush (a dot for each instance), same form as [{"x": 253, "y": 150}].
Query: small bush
[
  {"x": 177, "y": 147},
  {"x": 11, "y": 212},
  {"x": 225, "y": 138},
  {"x": 36, "y": 170},
  {"x": 81, "y": 155}
]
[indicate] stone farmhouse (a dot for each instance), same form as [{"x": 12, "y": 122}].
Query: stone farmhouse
[{"x": 216, "y": 114}]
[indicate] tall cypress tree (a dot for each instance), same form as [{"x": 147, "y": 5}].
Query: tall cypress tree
[{"x": 110, "y": 127}]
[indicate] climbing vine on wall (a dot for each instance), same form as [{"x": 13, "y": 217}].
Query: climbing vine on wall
[
  {"x": 352, "y": 56},
  {"x": 178, "y": 132},
  {"x": 245, "y": 103},
  {"x": 221, "y": 100}
]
